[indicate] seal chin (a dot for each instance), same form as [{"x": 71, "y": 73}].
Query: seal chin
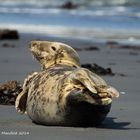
[{"x": 68, "y": 63}]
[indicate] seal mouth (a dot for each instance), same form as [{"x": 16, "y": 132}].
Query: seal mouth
[{"x": 33, "y": 57}]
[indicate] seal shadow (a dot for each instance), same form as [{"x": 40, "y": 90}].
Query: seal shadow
[{"x": 109, "y": 123}]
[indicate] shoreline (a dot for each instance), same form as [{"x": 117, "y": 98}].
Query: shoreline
[{"x": 100, "y": 34}]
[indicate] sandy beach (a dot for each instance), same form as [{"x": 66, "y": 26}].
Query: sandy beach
[{"x": 121, "y": 123}]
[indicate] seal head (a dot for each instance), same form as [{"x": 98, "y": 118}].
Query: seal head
[{"x": 52, "y": 53}]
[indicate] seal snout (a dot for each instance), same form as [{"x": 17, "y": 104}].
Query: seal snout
[{"x": 33, "y": 45}]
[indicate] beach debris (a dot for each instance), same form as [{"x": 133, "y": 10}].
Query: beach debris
[
  {"x": 78, "y": 49},
  {"x": 98, "y": 69},
  {"x": 112, "y": 44},
  {"x": 131, "y": 47},
  {"x": 7, "y": 45},
  {"x": 90, "y": 48},
  {"x": 9, "y": 91},
  {"x": 123, "y": 92},
  {"x": 121, "y": 74},
  {"x": 8, "y": 34},
  {"x": 69, "y": 5}
]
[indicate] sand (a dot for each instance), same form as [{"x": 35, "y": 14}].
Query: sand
[{"x": 122, "y": 122}]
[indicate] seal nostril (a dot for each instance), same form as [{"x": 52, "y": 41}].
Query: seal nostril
[{"x": 34, "y": 44}]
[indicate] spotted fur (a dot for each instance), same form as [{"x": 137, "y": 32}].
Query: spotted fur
[{"x": 63, "y": 93}]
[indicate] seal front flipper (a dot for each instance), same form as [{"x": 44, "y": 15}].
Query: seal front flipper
[
  {"x": 20, "y": 103},
  {"x": 21, "y": 99}
]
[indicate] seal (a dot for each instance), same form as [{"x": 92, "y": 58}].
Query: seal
[{"x": 63, "y": 93}]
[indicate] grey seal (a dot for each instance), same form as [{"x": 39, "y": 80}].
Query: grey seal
[{"x": 63, "y": 93}]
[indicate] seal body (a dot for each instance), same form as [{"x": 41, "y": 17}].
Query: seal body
[
  {"x": 55, "y": 98},
  {"x": 63, "y": 93},
  {"x": 45, "y": 91}
]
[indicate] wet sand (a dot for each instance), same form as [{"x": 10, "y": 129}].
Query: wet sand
[{"x": 122, "y": 122}]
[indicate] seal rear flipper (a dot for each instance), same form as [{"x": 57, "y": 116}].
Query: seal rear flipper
[
  {"x": 95, "y": 84},
  {"x": 77, "y": 95},
  {"x": 20, "y": 103},
  {"x": 81, "y": 75},
  {"x": 21, "y": 99}
]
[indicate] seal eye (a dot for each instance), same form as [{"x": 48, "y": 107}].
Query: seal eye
[{"x": 53, "y": 48}]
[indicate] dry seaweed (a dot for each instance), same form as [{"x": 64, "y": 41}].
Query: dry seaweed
[
  {"x": 9, "y": 91},
  {"x": 98, "y": 69}
]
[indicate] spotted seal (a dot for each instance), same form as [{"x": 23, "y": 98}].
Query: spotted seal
[{"x": 63, "y": 93}]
